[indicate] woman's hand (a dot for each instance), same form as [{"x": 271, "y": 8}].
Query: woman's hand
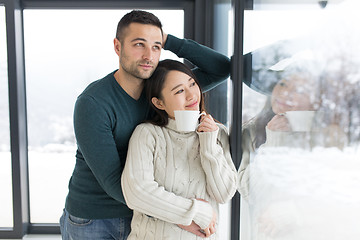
[
  {"x": 193, "y": 228},
  {"x": 279, "y": 123},
  {"x": 210, "y": 230},
  {"x": 207, "y": 124}
]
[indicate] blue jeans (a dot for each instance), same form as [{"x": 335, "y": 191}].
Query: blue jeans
[{"x": 74, "y": 228}]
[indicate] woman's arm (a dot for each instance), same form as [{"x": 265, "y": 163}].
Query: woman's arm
[
  {"x": 243, "y": 172},
  {"x": 221, "y": 175},
  {"x": 143, "y": 194}
]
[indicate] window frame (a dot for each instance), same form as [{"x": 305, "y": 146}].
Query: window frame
[{"x": 198, "y": 25}]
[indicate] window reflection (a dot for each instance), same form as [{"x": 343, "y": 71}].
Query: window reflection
[
  {"x": 300, "y": 160},
  {"x": 6, "y": 214},
  {"x": 64, "y": 51}
]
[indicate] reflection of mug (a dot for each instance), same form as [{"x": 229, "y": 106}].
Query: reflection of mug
[
  {"x": 300, "y": 121},
  {"x": 187, "y": 120}
]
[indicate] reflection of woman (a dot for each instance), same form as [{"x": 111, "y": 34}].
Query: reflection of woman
[
  {"x": 271, "y": 127},
  {"x": 274, "y": 212},
  {"x": 173, "y": 178}
]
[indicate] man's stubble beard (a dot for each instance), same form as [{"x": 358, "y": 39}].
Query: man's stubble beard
[{"x": 133, "y": 68}]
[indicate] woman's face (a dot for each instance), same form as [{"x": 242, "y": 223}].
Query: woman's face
[
  {"x": 180, "y": 92},
  {"x": 290, "y": 95}
]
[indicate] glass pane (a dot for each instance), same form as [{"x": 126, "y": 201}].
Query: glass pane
[
  {"x": 65, "y": 50},
  {"x": 301, "y": 133},
  {"x": 6, "y": 213}
]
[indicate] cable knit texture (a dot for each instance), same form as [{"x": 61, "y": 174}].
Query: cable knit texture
[{"x": 166, "y": 171}]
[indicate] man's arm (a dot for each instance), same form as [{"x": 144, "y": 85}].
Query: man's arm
[
  {"x": 96, "y": 142},
  {"x": 212, "y": 68}
]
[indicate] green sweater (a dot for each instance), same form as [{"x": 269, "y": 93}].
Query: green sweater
[{"x": 104, "y": 119}]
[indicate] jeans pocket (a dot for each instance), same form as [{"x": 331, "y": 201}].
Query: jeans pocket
[{"x": 79, "y": 221}]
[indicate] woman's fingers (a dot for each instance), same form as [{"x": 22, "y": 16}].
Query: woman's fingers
[
  {"x": 207, "y": 124},
  {"x": 279, "y": 123}
]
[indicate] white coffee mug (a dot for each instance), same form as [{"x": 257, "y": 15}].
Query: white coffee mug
[
  {"x": 300, "y": 121},
  {"x": 187, "y": 120}
]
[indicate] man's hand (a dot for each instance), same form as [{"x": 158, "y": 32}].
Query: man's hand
[{"x": 193, "y": 228}]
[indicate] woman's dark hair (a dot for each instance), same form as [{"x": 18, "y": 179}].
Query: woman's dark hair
[
  {"x": 155, "y": 84},
  {"x": 261, "y": 120}
]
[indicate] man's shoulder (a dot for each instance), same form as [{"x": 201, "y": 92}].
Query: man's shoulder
[{"x": 99, "y": 85}]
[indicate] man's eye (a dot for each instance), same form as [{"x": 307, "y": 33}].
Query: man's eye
[
  {"x": 157, "y": 48},
  {"x": 139, "y": 44}
]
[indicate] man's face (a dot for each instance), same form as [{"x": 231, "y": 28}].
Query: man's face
[{"x": 139, "y": 51}]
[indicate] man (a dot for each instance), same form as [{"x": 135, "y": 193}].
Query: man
[{"x": 105, "y": 116}]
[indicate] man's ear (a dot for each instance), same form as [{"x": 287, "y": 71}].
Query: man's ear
[
  {"x": 158, "y": 103},
  {"x": 117, "y": 46}
]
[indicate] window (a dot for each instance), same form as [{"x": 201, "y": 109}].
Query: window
[
  {"x": 6, "y": 214},
  {"x": 301, "y": 181},
  {"x": 65, "y": 50}
]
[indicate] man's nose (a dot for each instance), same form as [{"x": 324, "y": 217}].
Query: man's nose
[{"x": 148, "y": 54}]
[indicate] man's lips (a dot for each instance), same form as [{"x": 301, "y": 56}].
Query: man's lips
[{"x": 146, "y": 66}]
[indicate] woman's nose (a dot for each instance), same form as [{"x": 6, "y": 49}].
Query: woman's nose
[{"x": 190, "y": 95}]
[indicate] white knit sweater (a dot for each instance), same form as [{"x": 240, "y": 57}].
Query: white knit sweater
[{"x": 167, "y": 170}]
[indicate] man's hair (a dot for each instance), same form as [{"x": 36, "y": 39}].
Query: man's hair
[{"x": 136, "y": 16}]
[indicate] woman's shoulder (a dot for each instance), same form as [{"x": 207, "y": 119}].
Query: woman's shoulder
[
  {"x": 146, "y": 127},
  {"x": 222, "y": 128},
  {"x": 145, "y": 133},
  {"x": 223, "y": 132}
]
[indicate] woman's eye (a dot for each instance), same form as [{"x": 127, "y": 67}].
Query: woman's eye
[
  {"x": 180, "y": 91},
  {"x": 192, "y": 84}
]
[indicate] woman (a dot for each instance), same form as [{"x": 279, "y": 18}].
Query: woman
[
  {"x": 274, "y": 172},
  {"x": 174, "y": 178}
]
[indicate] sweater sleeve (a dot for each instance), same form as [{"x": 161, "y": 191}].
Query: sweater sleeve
[
  {"x": 221, "y": 175},
  {"x": 286, "y": 139},
  {"x": 212, "y": 68},
  {"x": 143, "y": 194},
  {"x": 243, "y": 172},
  {"x": 96, "y": 142}
]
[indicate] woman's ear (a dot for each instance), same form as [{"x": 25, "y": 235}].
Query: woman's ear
[{"x": 158, "y": 103}]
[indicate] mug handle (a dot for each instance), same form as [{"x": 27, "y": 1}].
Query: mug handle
[{"x": 200, "y": 114}]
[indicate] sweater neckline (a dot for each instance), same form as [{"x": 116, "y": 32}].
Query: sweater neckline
[
  {"x": 141, "y": 98},
  {"x": 172, "y": 125}
]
